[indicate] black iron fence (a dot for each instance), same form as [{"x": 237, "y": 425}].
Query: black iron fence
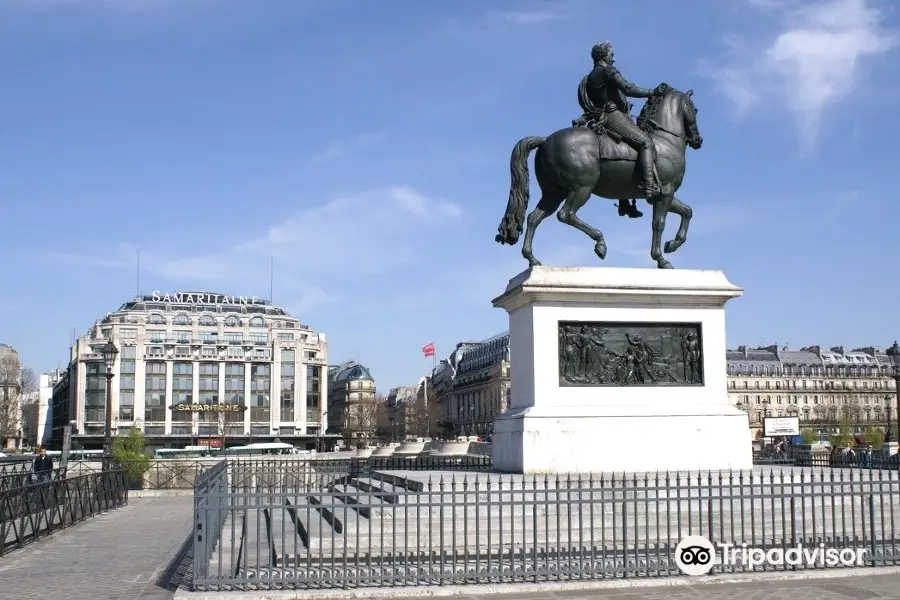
[
  {"x": 843, "y": 460},
  {"x": 37, "y": 509},
  {"x": 313, "y": 526}
]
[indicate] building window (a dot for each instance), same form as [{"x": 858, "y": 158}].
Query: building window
[
  {"x": 232, "y": 321},
  {"x": 260, "y": 390},
  {"x": 183, "y": 337},
  {"x": 156, "y": 319},
  {"x": 182, "y": 390},
  {"x": 95, "y": 392},
  {"x": 234, "y": 338},
  {"x": 209, "y": 337},
  {"x": 313, "y": 387},
  {"x": 155, "y": 392},
  {"x": 234, "y": 392},
  {"x": 207, "y": 321},
  {"x": 286, "y": 337},
  {"x": 235, "y": 352},
  {"x": 181, "y": 320},
  {"x": 127, "y": 357},
  {"x": 259, "y": 338},
  {"x": 208, "y": 352},
  {"x": 156, "y": 336},
  {"x": 209, "y": 392},
  {"x": 128, "y": 334},
  {"x": 257, "y": 322},
  {"x": 287, "y": 390}
]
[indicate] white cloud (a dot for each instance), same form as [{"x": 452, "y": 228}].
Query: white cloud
[
  {"x": 812, "y": 63},
  {"x": 321, "y": 253},
  {"x": 533, "y": 17},
  {"x": 336, "y": 148}
]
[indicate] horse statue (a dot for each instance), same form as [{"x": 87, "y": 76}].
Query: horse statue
[{"x": 573, "y": 163}]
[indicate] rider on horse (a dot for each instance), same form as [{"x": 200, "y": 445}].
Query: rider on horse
[{"x": 608, "y": 91}]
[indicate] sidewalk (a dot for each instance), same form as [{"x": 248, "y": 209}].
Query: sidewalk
[
  {"x": 126, "y": 554},
  {"x": 868, "y": 584}
]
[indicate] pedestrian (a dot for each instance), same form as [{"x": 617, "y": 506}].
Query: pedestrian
[
  {"x": 868, "y": 457},
  {"x": 42, "y": 467}
]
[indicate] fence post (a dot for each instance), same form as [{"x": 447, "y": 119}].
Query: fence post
[{"x": 872, "y": 526}]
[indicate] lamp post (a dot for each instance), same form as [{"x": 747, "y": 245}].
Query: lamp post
[
  {"x": 894, "y": 353},
  {"x": 109, "y": 359},
  {"x": 887, "y": 409}
]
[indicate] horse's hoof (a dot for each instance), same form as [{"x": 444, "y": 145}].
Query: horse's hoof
[
  {"x": 600, "y": 250},
  {"x": 664, "y": 264},
  {"x": 672, "y": 246}
]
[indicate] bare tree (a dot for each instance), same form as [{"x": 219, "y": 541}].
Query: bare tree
[
  {"x": 383, "y": 422},
  {"x": 360, "y": 419},
  {"x": 423, "y": 416},
  {"x": 16, "y": 382}
]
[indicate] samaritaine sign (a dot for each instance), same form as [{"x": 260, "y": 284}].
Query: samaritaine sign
[
  {"x": 219, "y": 408},
  {"x": 202, "y": 298}
]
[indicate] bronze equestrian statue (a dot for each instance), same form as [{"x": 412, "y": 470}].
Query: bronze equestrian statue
[{"x": 606, "y": 154}]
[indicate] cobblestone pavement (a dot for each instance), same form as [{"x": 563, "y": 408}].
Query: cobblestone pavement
[{"x": 135, "y": 552}]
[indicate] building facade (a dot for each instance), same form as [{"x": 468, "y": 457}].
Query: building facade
[
  {"x": 197, "y": 368},
  {"x": 823, "y": 387},
  {"x": 472, "y": 386},
  {"x": 400, "y": 405},
  {"x": 351, "y": 401},
  {"x": 11, "y": 398}
]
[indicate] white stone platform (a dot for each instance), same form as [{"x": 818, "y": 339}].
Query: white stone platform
[{"x": 560, "y": 429}]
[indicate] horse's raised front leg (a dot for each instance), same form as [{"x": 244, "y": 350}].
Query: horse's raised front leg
[
  {"x": 684, "y": 211},
  {"x": 546, "y": 207},
  {"x": 660, "y": 210},
  {"x": 568, "y": 215}
]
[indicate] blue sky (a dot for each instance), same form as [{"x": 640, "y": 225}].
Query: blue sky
[{"x": 365, "y": 145}]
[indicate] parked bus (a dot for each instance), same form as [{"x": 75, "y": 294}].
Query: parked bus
[
  {"x": 88, "y": 455},
  {"x": 260, "y": 449},
  {"x": 187, "y": 452}
]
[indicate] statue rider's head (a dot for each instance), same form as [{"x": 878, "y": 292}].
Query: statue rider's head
[{"x": 603, "y": 51}]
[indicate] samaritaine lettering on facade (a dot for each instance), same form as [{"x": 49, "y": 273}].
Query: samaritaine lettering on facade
[
  {"x": 630, "y": 354},
  {"x": 209, "y": 407},
  {"x": 203, "y": 298}
]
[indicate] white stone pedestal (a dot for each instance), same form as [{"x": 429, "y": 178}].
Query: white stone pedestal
[{"x": 560, "y": 429}]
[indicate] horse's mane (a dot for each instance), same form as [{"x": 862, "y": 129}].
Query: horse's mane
[{"x": 651, "y": 107}]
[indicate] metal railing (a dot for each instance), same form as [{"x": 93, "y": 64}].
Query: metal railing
[
  {"x": 879, "y": 461},
  {"x": 32, "y": 511},
  {"x": 313, "y": 526},
  {"x": 26, "y": 477}
]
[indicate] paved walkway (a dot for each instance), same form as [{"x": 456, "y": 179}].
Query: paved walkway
[
  {"x": 867, "y": 584},
  {"x": 845, "y": 588},
  {"x": 135, "y": 552}
]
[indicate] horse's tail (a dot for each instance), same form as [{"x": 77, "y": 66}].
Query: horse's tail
[{"x": 511, "y": 225}]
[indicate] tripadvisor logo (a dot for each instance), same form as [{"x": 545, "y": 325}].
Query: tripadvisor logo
[{"x": 696, "y": 555}]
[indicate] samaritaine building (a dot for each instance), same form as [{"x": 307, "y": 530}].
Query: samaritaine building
[{"x": 198, "y": 368}]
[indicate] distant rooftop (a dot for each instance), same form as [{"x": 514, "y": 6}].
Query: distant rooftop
[{"x": 350, "y": 371}]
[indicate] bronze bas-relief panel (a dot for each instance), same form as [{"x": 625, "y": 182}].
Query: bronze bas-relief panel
[{"x": 630, "y": 354}]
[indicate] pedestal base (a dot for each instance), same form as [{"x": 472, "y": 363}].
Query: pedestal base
[
  {"x": 596, "y": 414},
  {"x": 593, "y": 441}
]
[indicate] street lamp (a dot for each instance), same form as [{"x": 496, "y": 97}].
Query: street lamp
[
  {"x": 887, "y": 408},
  {"x": 109, "y": 358},
  {"x": 894, "y": 353}
]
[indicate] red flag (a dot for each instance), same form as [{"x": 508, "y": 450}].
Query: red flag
[{"x": 428, "y": 349}]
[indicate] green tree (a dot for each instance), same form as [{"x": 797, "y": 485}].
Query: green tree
[
  {"x": 874, "y": 436},
  {"x": 130, "y": 454},
  {"x": 844, "y": 437},
  {"x": 810, "y": 435}
]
